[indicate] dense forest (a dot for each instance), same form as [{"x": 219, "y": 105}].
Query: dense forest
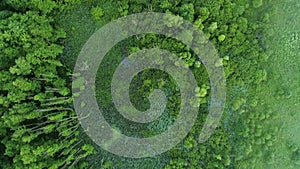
[{"x": 40, "y": 41}]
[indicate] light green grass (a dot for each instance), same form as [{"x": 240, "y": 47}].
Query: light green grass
[{"x": 281, "y": 93}]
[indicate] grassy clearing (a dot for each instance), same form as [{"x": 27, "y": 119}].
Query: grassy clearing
[
  {"x": 278, "y": 96},
  {"x": 281, "y": 93},
  {"x": 79, "y": 26}
]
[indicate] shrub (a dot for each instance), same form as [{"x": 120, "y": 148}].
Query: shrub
[
  {"x": 97, "y": 13},
  {"x": 257, "y": 3}
]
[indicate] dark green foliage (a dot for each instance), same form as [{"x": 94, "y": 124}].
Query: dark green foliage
[
  {"x": 223, "y": 24},
  {"x": 228, "y": 26},
  {"x": 39, "y": 128}
]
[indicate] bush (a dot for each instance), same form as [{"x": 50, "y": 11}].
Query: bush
[
  {"x": 257, "y": 3},
  {"x": 97, "y": 12}
]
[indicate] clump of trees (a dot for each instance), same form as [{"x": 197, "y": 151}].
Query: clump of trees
[
  {"x": 226, "y": 23},
  {"x": 38, "y": 127}
]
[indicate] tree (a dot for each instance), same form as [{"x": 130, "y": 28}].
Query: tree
[
  {"x": 187, "y": 11},
  {"x": 97, "y": 12},
  {"x": 34, "y": 96},
  {"x": 257, "y": 3}
]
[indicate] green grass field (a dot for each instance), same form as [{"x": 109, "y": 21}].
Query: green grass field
[{"x": 281, "y": 93}]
